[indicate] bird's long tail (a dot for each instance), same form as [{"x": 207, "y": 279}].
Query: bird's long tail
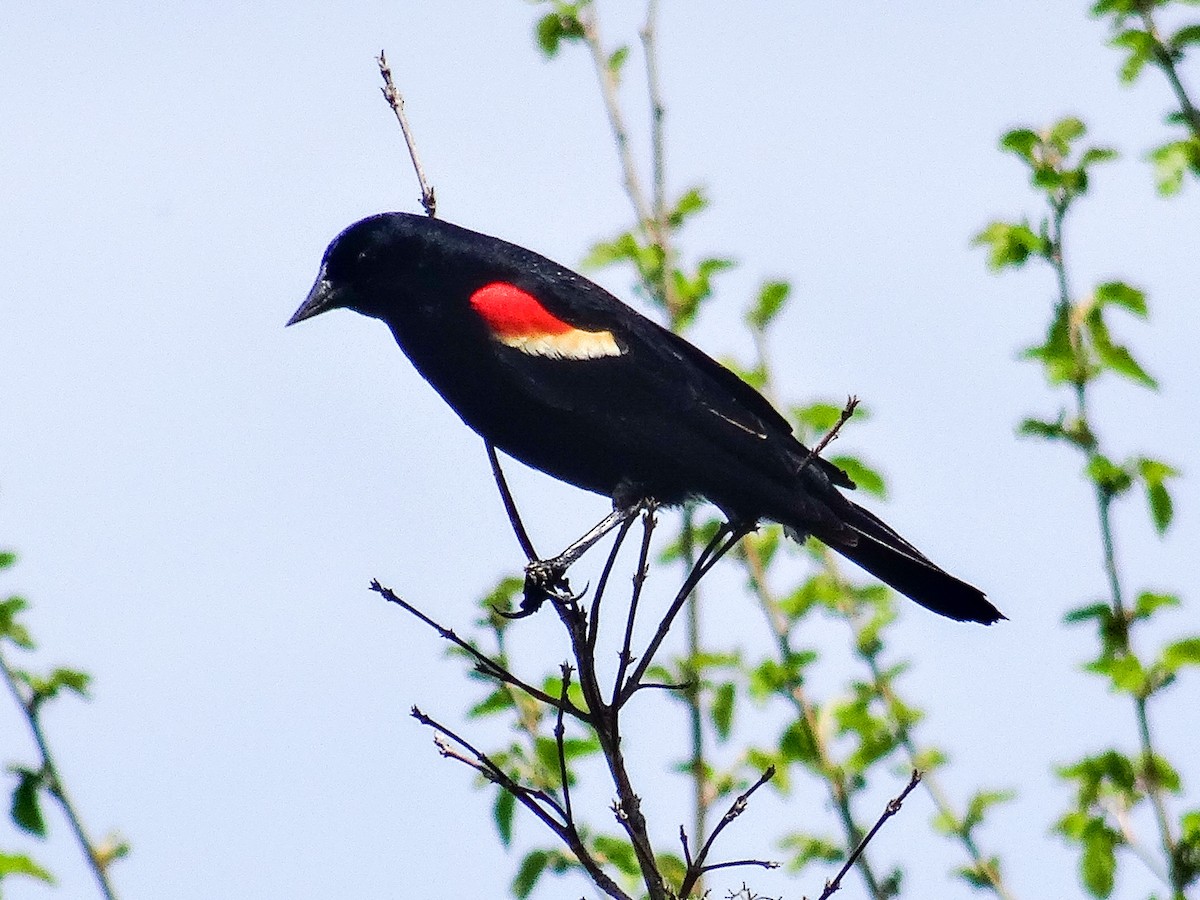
[{"x": 896, "y": 562}]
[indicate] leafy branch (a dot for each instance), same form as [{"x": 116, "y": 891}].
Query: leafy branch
[
  {"x": 31, "y": 692},
  {"x": 1148, "y": 45},
  {"x": 1078, "y": 350}
]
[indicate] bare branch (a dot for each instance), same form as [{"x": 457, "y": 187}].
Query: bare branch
[
  {"x": 485, "y": 665},
  {"x": 602, "y": 585},
  {"x": 890, "y": 810},
  {"x": 847, "y": 412},
  {"x": 396, "y": 102},
  {"x": 565, "y": 831},
  {"x": 697, "y": 868},
  {"x": 560, "y": 741},
  {"x": 510, "y": 505},
  {"x": 727, "y": 535},
  {"x": 639, "y": 580}
]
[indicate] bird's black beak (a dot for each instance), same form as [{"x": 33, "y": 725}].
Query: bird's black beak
[{"x": 323, "y": 296}]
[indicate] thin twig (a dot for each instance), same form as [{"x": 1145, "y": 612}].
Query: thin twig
[
  {"x": 890, "y": 810},
  {"x": 697, "y": 867},
  {"x": 566, "y": 832},
  {"x": 649, "y": 36},
  {"x": 510, "y": 505},
  {"x": 832, "y": 774},
  {"x": 605, "y": 722},
  {"x": 831, "y": 435},
  {"x": 616, "y": 118},
  {"x": 485, "y": 665},
  {"x": 697, "y": 769},
  {"x": 764, "y": 863},
  {"x": 54, "y": 782},
  {"x": 560, "y": 740},
  {"x": 1166, "y": 62},
  {"x": 396, "y": 102},
  {"x": 602, "y": 584},
  {"x": 639, "y": 580},
  {"x": 727, "y": 535}
]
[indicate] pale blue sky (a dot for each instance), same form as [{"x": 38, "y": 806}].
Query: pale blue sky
[{"x": 201, "y": 497}]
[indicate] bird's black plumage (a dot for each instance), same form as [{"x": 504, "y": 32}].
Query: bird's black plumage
[{"x": 557, "y": 372}]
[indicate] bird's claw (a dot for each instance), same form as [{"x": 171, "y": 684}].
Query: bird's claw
[{"x": 544, "y": 580}]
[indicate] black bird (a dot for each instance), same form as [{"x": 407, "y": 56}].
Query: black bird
[{"x": 555, "y": 371}]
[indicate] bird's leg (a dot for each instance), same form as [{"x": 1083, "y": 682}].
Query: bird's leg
[{"x": 544, "y": 578}]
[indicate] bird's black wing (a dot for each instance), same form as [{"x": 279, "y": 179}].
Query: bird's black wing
[{"x": 657, "y": 372}]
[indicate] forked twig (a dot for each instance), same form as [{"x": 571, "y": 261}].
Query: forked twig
[
  {"x": 531, "y": 800},
  {"x": 696, "y": 867},
  {"x": 722, "y": 542}
]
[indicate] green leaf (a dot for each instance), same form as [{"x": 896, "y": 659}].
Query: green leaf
[
  {"x": 1084, "y": 613},
  {"x": 10, "y": 628},
  {"x": 809, "y": 848},
  {"x": 1065, "y": 131},
  {"x": 692, "y": 201},
  {"x": 618, "y": 852},
  {"x": 1118, "y": 293},
  {"x": 1189, "y": 34},
  {"x": 502, "y": 815},
  {"x": 1114, "y": 357},
  {"x": 864, "y": 477},
  {"x": 26, "y": 809},
  {"x": 1181, "y": 653},
  {"x": 1154, "y": 475},
  {"x": 817, "y": 418},
  {"x": 771, "y": 299},
  {"x": 7, "y": 558},
  {"x": 64, "y": 679},
  {"x": 624, "y": 248},
  {"x": 497, "y": 701},
  {"x": 722, "y": 710},
  {"x": 529, "y": 872},
  {"x": 797, "y": 744},
  {"x": 20, "y": 864},
  {"x": 1094, "y": 155},
  {"x": 979, "y": 804},
  {"x": 1098, "y": 865},
  {"x": 1021, "y": 141},
  {"x": 616, "y": 61},
  {"x": 554, "y": 28},
  {"x": 1125, "y": 674},
  {"x": 1174, "y": 160},
  {"x": 1148, "y": 603},
  {"x": 1010, "y": 245},
  {"x": 981, "y": 875},
  {"x": 1141, "y": 51},
  {"x": 928, "y": 759},
  {"x": 1114, "y": 480}
]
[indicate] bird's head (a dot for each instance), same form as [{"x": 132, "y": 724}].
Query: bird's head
[{"x": 369, "y": 264}]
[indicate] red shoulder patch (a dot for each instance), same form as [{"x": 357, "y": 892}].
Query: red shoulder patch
[
  {"x": 517, "y": 319},
  {"x": 511, "y": 312}
]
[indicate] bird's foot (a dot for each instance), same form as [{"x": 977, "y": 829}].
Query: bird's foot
[{"x": 545, "y": 579}]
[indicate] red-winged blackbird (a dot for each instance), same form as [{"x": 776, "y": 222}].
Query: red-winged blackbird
[{"x": 558, "y": 373}]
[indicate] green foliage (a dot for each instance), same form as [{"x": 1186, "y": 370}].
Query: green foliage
[
  {"x": 1145, "y": 44},
  {"x": 1010, "y": 245},
  {"x": 20, "y": 864},
  {"x": 772, "y": 297},
  {"x": 563, "y": 25}
]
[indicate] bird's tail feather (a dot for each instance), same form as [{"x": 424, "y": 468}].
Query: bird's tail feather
[{"x": 896, "y": 562}]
